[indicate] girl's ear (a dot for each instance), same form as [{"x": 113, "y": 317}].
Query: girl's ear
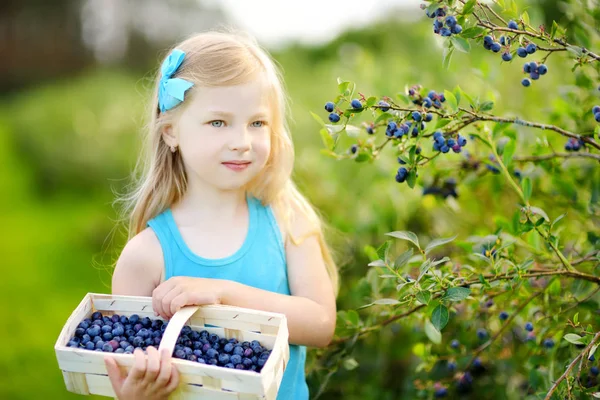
[{"x": 169, "y": 136}]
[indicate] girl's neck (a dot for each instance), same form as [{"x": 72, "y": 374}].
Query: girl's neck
[{"x": 206, "y": 205}]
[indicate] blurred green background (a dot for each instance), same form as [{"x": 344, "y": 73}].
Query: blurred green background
[{"x": 70, "y": 134}]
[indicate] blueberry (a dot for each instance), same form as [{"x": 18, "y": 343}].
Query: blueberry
[
  {"x": 542, "y": 69},
  {"x": 513, "y": 25},
  {"x": 90, "y": 346},
  {"x": 495, "y": 47},
  {"x": 462, "y": 141},
  {"x": 450, "y": 142},
  {"x": 73, "y": 343},
  {"x": 477, "y": 363},
  {"x": 401, "y": 175},
  {"x": 451, "y": 365},
  {"x": 428, "y": 117},
  {"x": 522, "y": 52},
  {"x": 370, "y": 130},
  {"x": 481, "y": 333},
  {"x": 356, "y": 103},
  {"x": 179, "y": 354},
  {"x": 223, "y": 359},
  {"x": 597, "y": 116},
  {"x": 506, "y": 56},
  {"x": 353, "y": 149},
  {"x": 333, "y": 117},
  {"x": 450, "y": 21},
  {"x": 236, "y": 359},
  {"x": 527, "y": 68},
  {"x": 118, "y": 331},
  {"x": 438, "y": 24},
  {"x": 129, "y": 349},
  {"x": 107, "y": 336},
  {"x": 531, "y": 48},
  {"x": 456, "y": 29},
  {"x": 247, "y": 362},
  {"x": 445, "y": 32},
  {"x": 229, "y": 365},
  {"x": 427, "y": 102},
  {"x": 594, "y": 370},
  {"x": 534, "y": 75},
  {"x": 503, "y": 316},
  {"x": 134, "y": 319},
  {"x": 96, "y": 315},
  {"x": 107, "y": 348},
  {"x": 228, "y": 348},
  {"x": 456, "y": 148},
  {"x": 529, "y": 327},
  {"x": 526, "y": 82},
  {"x": 445, "y": 148},
  {"x": 201, "y": 360},
  {"x": 504, "y": 41},
  {"x": 249, "y": 352},
  {"x": 384, "y": 106},
  {"x": 595, "y": 109},
  {"x": 455, "y": 344},
  {"x": 329, "y": 106},
  {"x": 211, "y": 353},
  {"x": 488, "y": 40},
  {"x": 440, "y": 12},
  {"x": 416, "y": 116}
]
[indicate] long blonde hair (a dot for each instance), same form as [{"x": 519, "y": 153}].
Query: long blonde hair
[{"x": 217, "y": 58}]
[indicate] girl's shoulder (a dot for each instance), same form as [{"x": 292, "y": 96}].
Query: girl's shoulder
[{"x": 140, "y": 266}]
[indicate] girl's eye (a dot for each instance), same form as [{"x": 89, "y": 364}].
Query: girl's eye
[
  {"x": 217, "y": 121},
  {"x": 262, "y": 123}
]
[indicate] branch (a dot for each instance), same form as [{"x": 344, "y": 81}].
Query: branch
[
  {"x": 563, "y": 376},
  {"x": 558, "y": 155}
]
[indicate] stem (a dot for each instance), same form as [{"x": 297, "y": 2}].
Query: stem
[{"x": 563, "y": 376}]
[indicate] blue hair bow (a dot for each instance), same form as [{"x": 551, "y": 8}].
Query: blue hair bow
[{"x": 171, "y": 91}]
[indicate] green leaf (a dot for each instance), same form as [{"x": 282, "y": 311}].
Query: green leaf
[
  {"x": 573, "y": 338},
  {"x": 424, "y": 268},
  {"x": 451, "y": 100},
  {"x": 386, "y": 301},
  {"x": 471, "y": 32},
  {"x": 447, "y": 57},
  {"x": 424, "y": 297},
  {"x": 468, "y": 7},
  {"x": 456, "y": 294},
  {"x": 318, "y": 118},
  {"x": 352, "y": 318},
  {"x": 509, "y": 151},
  {"x": 440, "y": 317},
  {"x": 412, "y": 178},
  {"x": 554, "y": 288},
  {"x": 526, "y": 185},
  {"x": 327, "y": 139},
  {"x": 432, "y": 333},
  {"x": 576, "y": 318},
  {"x": 350, "y": 363},
  {"x": 383, "y": 250},
  {"x": 438, "y": 242},
  {"x": 525, "y": 17},
  {"x": 486, "y": 106},
  {"x": 539, "y": 211},
  {"x": 405, "y": 235},
  {"x": 403, "y": 258},
  {"x": 460, "y": 44},
  {"x": 377, "y": 263}
]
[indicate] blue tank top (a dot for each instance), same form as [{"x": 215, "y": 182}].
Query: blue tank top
[{"x": 260, "y": 263}]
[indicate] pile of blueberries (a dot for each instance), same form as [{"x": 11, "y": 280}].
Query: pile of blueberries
[{"x": 122, "y": 334}]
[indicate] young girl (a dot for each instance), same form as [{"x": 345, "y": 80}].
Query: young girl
[{"x": 216, "y": 217}]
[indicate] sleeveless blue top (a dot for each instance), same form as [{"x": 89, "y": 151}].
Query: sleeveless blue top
[{"x": 260, "y": 263}]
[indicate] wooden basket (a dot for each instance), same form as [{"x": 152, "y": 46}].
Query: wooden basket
[{"x": 84, "y": 370}]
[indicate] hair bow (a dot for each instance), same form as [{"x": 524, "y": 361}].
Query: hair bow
[{"x": 171, "y": 91}]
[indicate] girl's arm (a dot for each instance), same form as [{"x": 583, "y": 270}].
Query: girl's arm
[{"x": 311, "y": 309}]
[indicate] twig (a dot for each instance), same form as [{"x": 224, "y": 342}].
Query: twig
[{"x": 563, "y": 376}]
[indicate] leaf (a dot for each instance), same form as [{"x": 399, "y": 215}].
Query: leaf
[
  {"x": 525, "y": 17},
  {"x": 456, "y": 294},
  {"x": 460, "y": 44},
  {"x": 318, "y": 118},
  {"x": 352, "y": 317},
  {"x": 509, "y": 151},
  {"x": 438, "y": 242},
  {"x": 486, "y": 106},
  {"x": 412, "y": 178},
  {"x": 403, "y": 258},
  {"x": 383, "y": 250},
  {"x": 424, "y": 268},
  {"x": 468, "y": 7},
  {"x": 432, "y": 333},
  {"x": 554, "y": 287},
  {"x": 405, "y": 235},
  {"x": 327, "y": 139},
  {"x": 471, "y": 32},
  {"x": 526, "y": 185},
  {"x": 424, "y": 296},
  {"x": 353, "y": 131},
  {"x": 377, "y": 263},
  {"x": 386, "y": 301},
  {"x": 573, "y": 338},
  {"x": 350, "y": 363},
  {"x": 440, "y": 317},
  {"x": 539, "y": 211},
  {"x": 447, "y": 57}
]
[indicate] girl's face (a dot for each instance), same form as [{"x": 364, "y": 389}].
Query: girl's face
[{"x": 221, "y": 127}]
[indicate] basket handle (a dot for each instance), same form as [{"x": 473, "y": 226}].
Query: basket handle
[{"x": 174, "y": 327}]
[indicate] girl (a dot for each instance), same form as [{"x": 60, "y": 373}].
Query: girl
[{"x": 216, "y": 217}]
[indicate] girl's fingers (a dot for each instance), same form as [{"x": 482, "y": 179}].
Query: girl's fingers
[
  {"x": 174, "y": 381},
  {"x": 166, "y": 301},
  {"x": 153, "y": 365},
  {"x": 114, "y": 374},
  {"x": 139, "y": 366},
  {"x": 165, "y": 369}
]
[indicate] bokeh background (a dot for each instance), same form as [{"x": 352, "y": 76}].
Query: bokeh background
[{"x": 74, "y": 79}]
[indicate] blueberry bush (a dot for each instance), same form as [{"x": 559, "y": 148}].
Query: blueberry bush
[{"x": 507, "y": 313}]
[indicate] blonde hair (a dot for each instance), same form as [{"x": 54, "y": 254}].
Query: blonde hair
[{"x": 217, "y": 58}]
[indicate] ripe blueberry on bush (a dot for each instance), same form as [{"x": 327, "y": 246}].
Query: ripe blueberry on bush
[
  {"x": 455, "y": 344},
  {"x": 503, "y": 316},
  {"x": 401, "y": 175},
  {"x": 384, "y": 106},
  {"x": 329, "y": 106},
  {"x": 548, "y": 343},
  {"x": 334, "y": 117},
  {"x": 356, "y": 103},
  {"x": 481, "y": 333},
  {"x": 529, "y": 327},
  {"x": 513, "y": 25}
]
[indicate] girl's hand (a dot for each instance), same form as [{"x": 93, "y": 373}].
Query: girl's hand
[
  {"x": 152, "y": 379},
  {"x": 180, "y": 291}
]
